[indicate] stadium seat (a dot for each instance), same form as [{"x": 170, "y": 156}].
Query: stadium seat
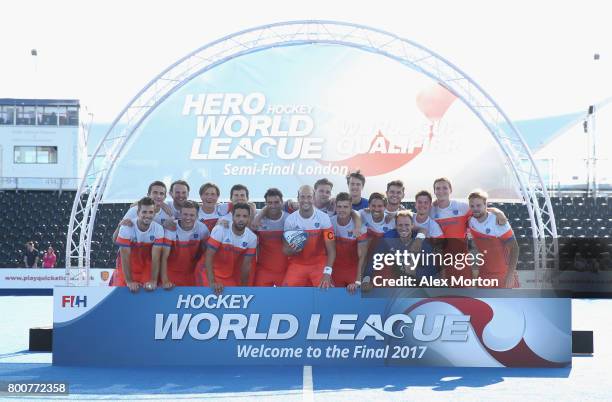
[{"x": 592, "y": 220}]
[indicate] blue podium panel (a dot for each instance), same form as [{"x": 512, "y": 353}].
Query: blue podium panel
[{"x": 298, "y": 326}]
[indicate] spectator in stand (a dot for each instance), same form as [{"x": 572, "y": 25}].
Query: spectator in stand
[
  {"x": 49, "y": 258},
  {"x": 31, "y": 256}
]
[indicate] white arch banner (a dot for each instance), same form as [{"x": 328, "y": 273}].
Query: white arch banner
[{"x": 291, "y": 115}]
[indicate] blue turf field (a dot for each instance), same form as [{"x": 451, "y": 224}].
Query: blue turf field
[{"x": 588, "y": 379}]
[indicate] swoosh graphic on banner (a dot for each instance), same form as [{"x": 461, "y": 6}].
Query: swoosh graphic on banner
[
  {"x": 401, "y": 329},
  {"x": 377, "y": 163},
  {"x": 433, "y": 102},
  {"x": 521, "y": 355}
]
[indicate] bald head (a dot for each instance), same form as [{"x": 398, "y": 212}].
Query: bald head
[
  {"x": 306, "y": 200},
  {"x": 305, "y": 188}
]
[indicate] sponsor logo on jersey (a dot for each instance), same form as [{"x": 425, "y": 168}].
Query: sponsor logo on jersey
[
  {"x": 456, "y": 211},
  {"x": 151, "y": 237},
  {"x": 244, "y": 244},
  {"x": 317, "y": 224}
]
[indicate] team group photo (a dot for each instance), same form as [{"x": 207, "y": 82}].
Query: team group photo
[{"x": 315, "y": 237}]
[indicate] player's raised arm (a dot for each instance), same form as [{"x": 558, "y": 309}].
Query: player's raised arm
[
  {"x": 166, "y": 208},
  {"x": 124, "y": 222},
  {"x": 513, "y": 246},
  {"x": 169, "y": 224},
  {"x": 210, "y": 255},
  {"x": 245, "y": 270},
  {"x": 130, "y": 215},
  {"x": 290, "y": 206},
  {"x": 156, "y": 252},
  {"x": 330, "y": 248},
  {"x": 362, "y": 253},
  {"x": 166, "y": 283},
  {"x": 125, "y": 254},
  {"x": 500, "y": 217},
  {"x": 356, "y": 216},
  {"x": 263, "y": 213},
  {"x": 204, "y": 241},
  {"x": 159, "y": 244}
]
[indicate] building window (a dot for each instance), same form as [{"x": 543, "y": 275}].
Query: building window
[
  {"x": 7, "y": 114},
  {"x": 47, "y": 116},
  {"x": 35, "y": 154},
  {"x": 61, "y": 115},
  {"x": 73, "y": 116},
  {"x": 26, "y": 115}
]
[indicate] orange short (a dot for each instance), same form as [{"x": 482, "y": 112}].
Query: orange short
[
  {"x": 344, "y": 276},
  {"x": 181, "y": 278},
  {"x": 201, "y": 277},
  {"x": 303, "y": 275},
  {"x": 264, "y": 276},
  {"x": 237, "y": 274},
  {"x": 224, "y": 281},
  {"x": 118, "y": 279}
]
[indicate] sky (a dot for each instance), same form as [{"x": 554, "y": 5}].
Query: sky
[{"x": 535, "y": 58}]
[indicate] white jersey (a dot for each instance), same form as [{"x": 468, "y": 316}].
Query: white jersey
[
  {"x": 270, "y": 241},
  {"x": 347, "y": 240},
  {"x": 489, "y": 228},
  {"x": 160, "y": 217},
  {"x": 317, "y": 222},
  {"x": 224, "y": 239},
  {"x": 432, "y": 229},
  {"x": 376, "y": 229},
  {"x": 348, "y": 232},
  {"x": 319, "y": 228},
  {"x": 210, "y": 220},
  {"x": 328, "y": 209},
  {"x": 180, "y": 237},
  {"x": 491, "y": 239},
  {"x": 272, "y": 225},
  {"x": 455, "y": 208},
  {"x": 132, "y": 236}
]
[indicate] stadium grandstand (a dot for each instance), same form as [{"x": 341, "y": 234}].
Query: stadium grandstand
[{"x": 42, "y": 216}]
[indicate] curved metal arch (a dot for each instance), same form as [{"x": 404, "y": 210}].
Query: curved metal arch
[{"x": 296, "y": 33}]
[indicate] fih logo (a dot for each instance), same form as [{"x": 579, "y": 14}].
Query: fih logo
[{"x": 74, "y": 301}]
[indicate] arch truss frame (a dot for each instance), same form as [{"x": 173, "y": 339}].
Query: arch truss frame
[{"x": 518, "y": 157}]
